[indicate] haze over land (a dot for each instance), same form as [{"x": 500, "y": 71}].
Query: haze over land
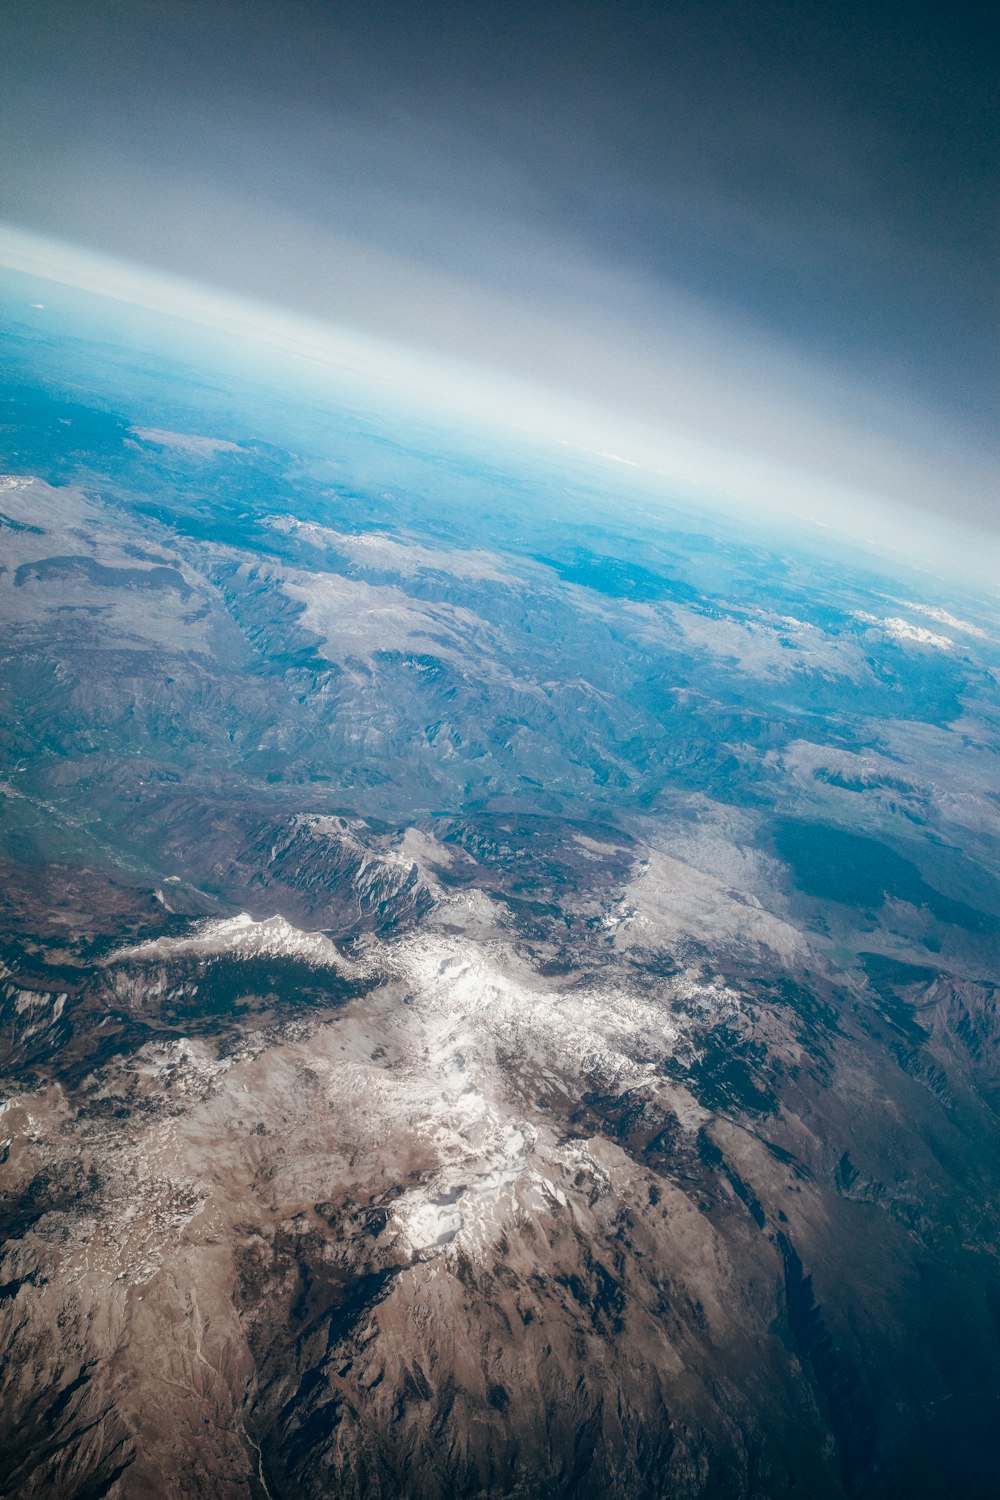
[
  {"x": 761, "y": 231},
  {"x": 675, "y": 462}
]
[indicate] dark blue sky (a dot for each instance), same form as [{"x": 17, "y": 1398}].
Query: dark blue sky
[{"x": 667, "y": 206}]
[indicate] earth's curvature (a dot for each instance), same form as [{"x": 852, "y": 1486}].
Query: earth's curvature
[{"x": 499, "y": 969}]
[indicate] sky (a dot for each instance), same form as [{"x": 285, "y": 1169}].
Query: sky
[{"x": 769, "y": 229}]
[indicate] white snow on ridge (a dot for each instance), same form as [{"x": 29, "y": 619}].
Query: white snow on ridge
[
  {"x": 463, "y": 1062},
  {"x": 451, "y": 1077},
  {"x": 355, "y": 619},
  {"x": 771, "y": 646},
  {"x": 378, "y": 550},
  {"x": 444, "y": 1081},
  {"x": 943, "y": 617},
  {"x": 902, "y": 630},
  {"x": 239, "y": 937}
]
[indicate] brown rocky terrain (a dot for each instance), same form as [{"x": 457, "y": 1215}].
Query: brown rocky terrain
[{"x": 488, "y": 1214}]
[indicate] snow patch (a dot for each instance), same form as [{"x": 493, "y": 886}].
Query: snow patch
[
  {"x": 378, "y": 551},
  {"x": 902, "y": 630},
  {"x": 944, "y": 617},
  {"x": 238, "y": 937},
  {"x": 185, "y": 442},
  {"x": 670, "y": 901}
]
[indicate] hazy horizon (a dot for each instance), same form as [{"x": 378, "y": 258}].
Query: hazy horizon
[
  {"x": 683, "y": 464},
  {"x": 752, "y": 233}
]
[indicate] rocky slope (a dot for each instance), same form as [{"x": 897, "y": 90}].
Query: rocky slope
[{"x": 456, "y": 1207}]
